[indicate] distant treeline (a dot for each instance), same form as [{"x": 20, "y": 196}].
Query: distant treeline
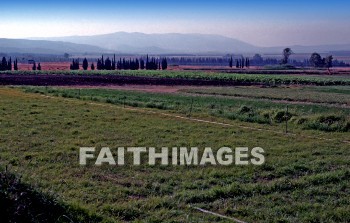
[
  {"x": 256, "y": 60},
  {"x": 315, "y": 60},
  {"x": 154, "y": 63},
  {"x": 25, "y": 57},
  {"x": 7, "y": 64},
  {"x": 123, "y": 64}
]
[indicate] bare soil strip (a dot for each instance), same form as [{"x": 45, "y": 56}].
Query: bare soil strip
[{"x": 139, "y": 87}]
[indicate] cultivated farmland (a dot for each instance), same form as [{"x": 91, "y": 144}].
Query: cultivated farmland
[
  {"x": 164, "y": 78},
  {"x": 305, "y": 176}
]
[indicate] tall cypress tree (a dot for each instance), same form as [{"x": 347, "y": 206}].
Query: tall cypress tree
[
  {"x": 124, "y": 64},
  {"x": 164, "y": 64},
  {"x": 108, "y": 64},
  {"x": 119, "y": 64},
  {"x": 85, "y": 64},
  {"x": 102, "y": 64},
  {"x": 142, "y": 64},
  {"x": 147, "y": 63},
  {"x": 99, "y": 66},
  {"x": 3, "y": 64},
  {"x": 9, "y": 64},
  {"x": 113, "y": 62},
  {"x": 15, "y": 65}
]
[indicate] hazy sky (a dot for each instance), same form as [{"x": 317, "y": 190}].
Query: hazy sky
[{"x": 263, "y": 23}]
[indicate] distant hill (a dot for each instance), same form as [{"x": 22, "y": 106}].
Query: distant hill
[
  {"x": 141, "y": 43},
  {"x": 163, "y": 43},
  {"x": 45, "y": 47}
]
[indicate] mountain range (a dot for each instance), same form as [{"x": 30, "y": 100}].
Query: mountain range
[
  {"x": 162, "y": 43},
  {"x": 141, "y": 43},
  {"x": 45, "y": 47}
]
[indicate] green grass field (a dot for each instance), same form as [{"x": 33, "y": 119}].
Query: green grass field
[
  {"x": 314, "y": 94},
  {"x": 251, "y": 108},
  {"x": 305, "y": 177}
]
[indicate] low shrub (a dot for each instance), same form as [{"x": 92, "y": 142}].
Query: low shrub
[
  {"x": 330, "y": 123},
  {"x": 282, "y": 116}
]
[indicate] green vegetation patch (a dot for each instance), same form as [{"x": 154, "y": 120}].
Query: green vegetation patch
[
  {"x": 234, "y": 78},
  {"x": 314, "y": 94},
  {"x": 303, "y": 180},
  {"x": 243, "y": 109}
]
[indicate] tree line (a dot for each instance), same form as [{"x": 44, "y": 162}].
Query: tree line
[
  {"x": 317, "y": 61},
  {"x": 7, "y": 64},
  {"x": 35, "y": 67},
  {"x": 153, "y": 63},
  {"x": 240, "y": 63},
  {"x": 256, "y": 60},
  {"x": 123, "y": 64}
]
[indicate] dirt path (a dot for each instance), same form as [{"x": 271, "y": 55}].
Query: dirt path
[{"x": 135, "y": 87}]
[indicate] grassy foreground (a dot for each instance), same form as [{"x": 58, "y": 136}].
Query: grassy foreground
[{"x": 303, "y": 179}]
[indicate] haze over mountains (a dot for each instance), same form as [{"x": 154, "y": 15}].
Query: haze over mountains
[
  {"x": 140, "y": 43},
  {"x": 44, "y": 47},
  {"x": 162, "y": 43}
]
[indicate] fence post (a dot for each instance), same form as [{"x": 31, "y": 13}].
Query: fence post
[
  {"x": 191, "y": 108},
  {"x": 286, "y": 117}
]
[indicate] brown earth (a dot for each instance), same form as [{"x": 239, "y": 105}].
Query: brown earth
[
  {"x": 143, "y": 88},
  {"x": 46, "y": 66}
]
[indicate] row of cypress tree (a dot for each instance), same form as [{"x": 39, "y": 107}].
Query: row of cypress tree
[
  {"x": 35, "y": 67},
  {"x": 123, "y": 64},
  {"x": 7, "y": 65},
  {"x": 75, "y": 64},
  {"x": 240, "y": 63}
]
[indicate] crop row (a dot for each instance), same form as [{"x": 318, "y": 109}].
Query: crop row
[{"x": 233, "y": 78}]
